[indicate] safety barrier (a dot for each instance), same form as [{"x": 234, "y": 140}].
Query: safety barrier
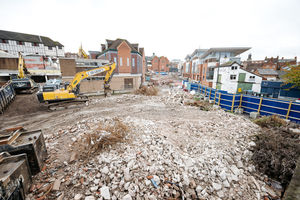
[
  {"x": 7, "y": 95},
  {"x": 264, "y": 106}
]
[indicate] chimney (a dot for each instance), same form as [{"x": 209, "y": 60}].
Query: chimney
[{"x": 296, "y": 58}]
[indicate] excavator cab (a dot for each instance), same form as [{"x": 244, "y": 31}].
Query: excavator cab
[{"x": 22, "y": 82}]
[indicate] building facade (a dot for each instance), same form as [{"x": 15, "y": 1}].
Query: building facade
[
  {"x": 158, "y": 64},
  {"x": 128, "y": 57},
  {"x": 199, "y": 65},
  {"x": 234, "y": 79},
  {"x": 269, "y": 68},
  {"x": 13, "y": 43}
]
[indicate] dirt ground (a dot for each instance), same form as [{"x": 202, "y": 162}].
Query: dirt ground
[{"x": 171, "y": 150}]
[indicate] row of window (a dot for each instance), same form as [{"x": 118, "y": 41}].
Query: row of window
[
  {"x": 233, "y": 77},
  {"x": 128, "y": 64},
  {"x": 34, "y": 44}
]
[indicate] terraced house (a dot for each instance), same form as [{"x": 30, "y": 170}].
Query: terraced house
[
  {"x": 14, "y": 42},
  {"x": 200, "y": 65},
  {"x": 158, "y": 64}
]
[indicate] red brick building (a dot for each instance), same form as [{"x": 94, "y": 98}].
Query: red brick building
[
  {"x": 269, "y": 68},
  {"x": 158, "y": 64},
  {"x": 129, "y": 58}
]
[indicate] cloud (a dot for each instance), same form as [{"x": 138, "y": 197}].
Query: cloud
[{"x": 171, "y": 28}]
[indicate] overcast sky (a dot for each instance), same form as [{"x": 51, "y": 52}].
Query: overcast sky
[{"x": 172, "y": 28}]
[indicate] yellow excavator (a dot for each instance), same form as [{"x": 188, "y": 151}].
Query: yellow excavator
[
  {"x": 22, "y": 82},
  {"x": 70, "y": 93},
  {"x": 81, "y": 53}
]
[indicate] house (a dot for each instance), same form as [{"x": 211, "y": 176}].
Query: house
[
  {"x": 234, "y": 79},
  {"x": 130, "y": 63},
  {"x": 268, "y": 74},
  {"x": 199, "y": 65},
  {"x": 158, "y": 64},
  {"x": 128, "y": 57},
  {"x": 269, "y": 68},
  {"x": 14, "y": 42}
]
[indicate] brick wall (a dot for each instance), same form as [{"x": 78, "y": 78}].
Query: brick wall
[
  {"x": 124, "y": 52},
  {"x": 67, "y": 67},
  {"x": 117, "y": 83},
  {"x": 9, "y": 63}
]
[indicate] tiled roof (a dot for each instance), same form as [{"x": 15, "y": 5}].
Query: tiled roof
[
  {"x": 267, "y": 72},
  {"x": 23, "y": 37}
]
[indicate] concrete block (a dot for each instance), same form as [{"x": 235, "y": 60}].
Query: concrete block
[
  {"x": 216, "y": 107},
  {"x": 239, "y": 111},
  {"x": 254, "y": 115}
]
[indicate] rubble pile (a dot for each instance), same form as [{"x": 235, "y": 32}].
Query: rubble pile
[
  {"x": 169, "y": 151},
  {"x": 147, "y": 90},
  {"x": 277, "y": 148}
]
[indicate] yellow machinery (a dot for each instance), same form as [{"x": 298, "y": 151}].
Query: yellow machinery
[
  {"x": 71, "y": 91},
  {"x": 81, "y": 53},
  {"x": 22, "y": 82}
]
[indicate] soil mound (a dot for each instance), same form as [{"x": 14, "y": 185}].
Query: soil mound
[
  {"x": 24, "y": 104},
  {"x": 277, "y": 149}
]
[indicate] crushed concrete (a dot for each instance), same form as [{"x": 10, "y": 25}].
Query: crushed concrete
[{"x": 184, "y": 151}]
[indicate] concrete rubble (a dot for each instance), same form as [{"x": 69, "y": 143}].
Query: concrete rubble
[{"x": 170, "y": 151}]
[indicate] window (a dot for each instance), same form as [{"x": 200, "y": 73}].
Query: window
[
  {"x": 233, "y": 67},
  {"x": 128, "y": 62},
  {"x": 133, "y": 62},
  {"x": 60, "y": 47},
  {"x": 121, "y": 63},
  {"x": 20, "y": 43},
  {"x": 35, "y": 44},
  {"x": 50, "y": 48},
  {"x": 3, "y": 41},
  {"x": 115, "y": 60},
  {"x": 128, "y": 83},
  {"x": 232, "y": 77}
]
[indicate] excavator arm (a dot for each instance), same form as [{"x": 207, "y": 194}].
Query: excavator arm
[
  {"x": 81, "y": 53},
  {"x": 85, "y": 74},
  {"x": 72, "y": 90}
]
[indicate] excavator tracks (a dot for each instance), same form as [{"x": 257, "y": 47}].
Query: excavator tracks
[{"x": 68, "y": 104}]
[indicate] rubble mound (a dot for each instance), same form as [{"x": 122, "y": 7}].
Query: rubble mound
[
  {"x": 277, "y": 149},
  {"x": 147, "y": 90},
  {"x": 104, "y": 135},
  {"x": 169, "y": 151},
  {"x": 270, "y": 121},
  {"x": 25, "y": 104}
]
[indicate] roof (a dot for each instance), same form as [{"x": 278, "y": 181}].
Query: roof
[
  {"x": 198, "y": 51},
  {"x": 228, "y": 64},
  {"x": 117, "y": 42},
  {"x": 23, "y": 37},
  {"x": 235, "y": 50},
  {"x": 3, "y": 54},
  {"x": 267, "y": 72},
  {"x": 113, "y": 45}
]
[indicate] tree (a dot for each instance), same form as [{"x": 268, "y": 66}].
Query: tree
[{"x": 293, "y": 76}]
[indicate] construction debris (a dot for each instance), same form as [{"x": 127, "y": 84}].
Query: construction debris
[
  {"x": 276, "y": 148},
  {"x": 147, "y": 147},
  {"x": 147, "y": 90},
  {"x": 270, "y": 121}
]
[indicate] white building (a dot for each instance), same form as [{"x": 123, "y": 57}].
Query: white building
[
  {"x": 233, "y": 79},
  {"x": 13, "y": 42}
]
